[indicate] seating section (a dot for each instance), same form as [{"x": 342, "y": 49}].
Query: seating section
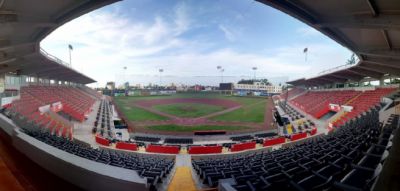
[
  {"x": 362, "y": 103},
  {"x": 90, "y": 91},
  {"x": 266, "y": 135},
  {"x": 147, "y": 139},
  {"x": 328, "y": 162},
  {"x": 178, "y": 141},
  {"x": 292, "y": 93},
  {"x": 293, "y": 114},
  {"x": 154, "y": 168},
  {"x": 242, "y": 138},
  {"x": 210, "y": 132},
  {"x": 25, "y": 112},
  {"x": 103, "y": 125},
  {"x": 316, "y": 103},
  {"x": 76, "y": 102}
]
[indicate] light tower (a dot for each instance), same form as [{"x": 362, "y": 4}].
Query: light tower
[
  {"x": 254, "y": 69},
  {"x": 70, "y": 48},
  {"x": 160, "y": 71},
  {"x": 220, "y": 69},
  {"x": 124, "y": 74}
]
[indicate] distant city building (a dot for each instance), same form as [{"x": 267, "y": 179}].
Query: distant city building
[
  {"x": 208, "y": 88},
  {"x": 257, "y": 88},
  {"x": 182, "y": 88},
  {"x": 198, "y": 88}
]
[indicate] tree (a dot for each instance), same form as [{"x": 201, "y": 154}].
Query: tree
[
  {"x": 243, "y": 81},
  {"x": 352, "y": 59},
  {"x": 265, "y": 81}
]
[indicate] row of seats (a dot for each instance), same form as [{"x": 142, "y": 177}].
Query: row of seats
[
  {"x": 316, "y": 103},
  {"x": 178, "y": 141},
  {"x": 323, "y": 163},
  {"x": 102, "y": 124},
  {"x": 361, "y": 103},
  {"x": 242, "y": 138},
  {"x": 25, "y": 111},
  {"x": 90, "y": 91},
  {"x": 302, "y": 124},
  {"x": 153, "y": 168},
  {"x": 76, "y": 102},
  {"x": 147, "y": 139},
  {"x": 287, "y": 95},
  {"x": 266, "y": 135},
  {"x": 293, "y": 114}
]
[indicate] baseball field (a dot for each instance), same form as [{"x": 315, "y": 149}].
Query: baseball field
[{"x": 187, "y": 112}]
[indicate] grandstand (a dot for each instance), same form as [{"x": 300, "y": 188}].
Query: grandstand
[{"x": 58, "y": 134}]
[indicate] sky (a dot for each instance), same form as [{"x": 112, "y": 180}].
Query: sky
[{"x": 188, "y": 39}]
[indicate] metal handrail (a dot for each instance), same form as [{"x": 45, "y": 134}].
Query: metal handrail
[
  {"x": 337, "y": 68},
  {"x": 53, "y": 58}
]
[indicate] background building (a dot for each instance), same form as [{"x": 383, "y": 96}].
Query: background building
[{"x": 256, "y": 88}]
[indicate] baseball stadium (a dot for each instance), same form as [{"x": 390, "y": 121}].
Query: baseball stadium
[{"x": 138, "y": 108}]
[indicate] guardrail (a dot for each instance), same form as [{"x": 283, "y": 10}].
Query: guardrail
[
  {"x": 337, "y": 68},
  {"x": 53, "y": 58}
]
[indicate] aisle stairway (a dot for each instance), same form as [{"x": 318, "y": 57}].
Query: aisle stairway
[{"x": 182, "y": 180}]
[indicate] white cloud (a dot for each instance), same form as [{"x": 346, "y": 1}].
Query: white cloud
[
  {"x": 228, "y": 33},
  {"x": 104, "y": 42},
  {"x": 182, "y": 20}
]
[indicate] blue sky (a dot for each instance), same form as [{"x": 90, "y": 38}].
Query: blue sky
[{"x": 188, "y": 39}]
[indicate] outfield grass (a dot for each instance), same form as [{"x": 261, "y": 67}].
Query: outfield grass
[
  {"x": 137, "y": 114},
  {"x": 252, "y": 112},
  {"x": 188, "y": 110},
  {"x": 178, "y": 128}
]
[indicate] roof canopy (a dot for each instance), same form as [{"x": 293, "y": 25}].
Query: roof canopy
[
  {"x": 369, "y": 28},
  {"x": 24, "y": 23}
]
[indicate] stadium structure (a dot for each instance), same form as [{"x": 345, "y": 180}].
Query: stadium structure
[{"x": 58, "y": 134}]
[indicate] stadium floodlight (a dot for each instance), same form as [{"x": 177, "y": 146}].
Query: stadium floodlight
[
  {"x": 220, "y": 69},
  {"x": 222, "y": 75},
  {"x": 160, "y": 71},
  {"x": 70, "y": 48},
  {"x": 124, "y": 74},
  {"x": 254, "y": 69}
]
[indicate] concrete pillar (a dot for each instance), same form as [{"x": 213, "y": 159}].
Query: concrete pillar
[
  {"x": 335, "y": 85},
  {"x": 382, "y": 81}
]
